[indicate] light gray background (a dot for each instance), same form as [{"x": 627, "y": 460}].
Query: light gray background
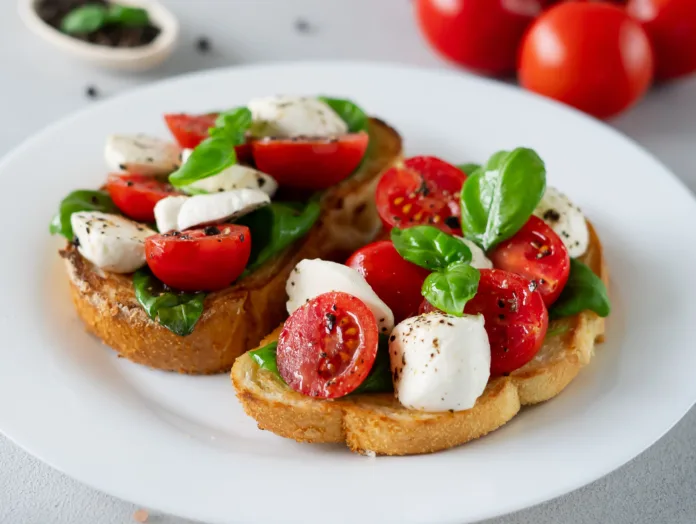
[{"x": 39, "y": 85}]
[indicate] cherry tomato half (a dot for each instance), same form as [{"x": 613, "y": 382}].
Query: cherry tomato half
[
  {"x": 396, "y": 281},
  {"x": 671, "y": 26},
  {"x": 206, "y": 259},
  {"x": 191, "y": 130},
  {"x": 310, "y": 163},
  {"x": 425, "y": 190},
  {"x": 592, "y": 56},
  {"x": 515, "y": 317},
  {"x": 537, "y": 253},
  {"x": 327, "y": 347},
  {"x": 482, "y": 35},
  {"x": 136, "y": 195}
]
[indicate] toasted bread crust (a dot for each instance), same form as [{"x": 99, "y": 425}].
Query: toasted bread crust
[
  {"x": 377, "y": 423},
  {"x": 235, "y": 319}
]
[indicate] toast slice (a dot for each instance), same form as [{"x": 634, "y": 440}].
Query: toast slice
[
  {"x": 235, "y": 319},
  {"x": 377, "y": 423}
]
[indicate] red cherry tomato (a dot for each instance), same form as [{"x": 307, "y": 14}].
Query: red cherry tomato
[
  {"x": 425, "y": 190},
  {"x": 515, "y": 317},
  {"x": 671, "y": 26},
  {"x": 206, "y": 259},
  {"x": 537, "y": 253},
  {"x": 136, "y": 195},
  {"x": 592, "y": 56},
  {"x": 327, "y": 347},
  {"x": 482, "y": 35},
  {"x": 310, "y": 163},
  {"x": 191, "y": 130},
  {"x": 396, "y": 281}
]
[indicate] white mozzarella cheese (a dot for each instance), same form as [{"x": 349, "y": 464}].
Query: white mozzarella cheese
[
  {"x": 110, "y": 242},
  {"x": 236, "y": 176},
  {"x": 141, "y": 154},
  {"x": 479, "y": 260},
  {"x": 214, "y": 208},
  {"x": 566, "y": 219},
  {"x": 167, "y": 213},
  {"x": 440, "y": 362},
  {"x": 291, "y": 116},
  {"x": 311, "y": 278}
]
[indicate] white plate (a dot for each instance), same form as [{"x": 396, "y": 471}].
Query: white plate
[{"x": 183, "y": 445}]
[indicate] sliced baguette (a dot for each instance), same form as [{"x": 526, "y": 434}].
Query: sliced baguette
[
  {"x": 377, "y": 423},
  {"x": 235, "y": 319}
]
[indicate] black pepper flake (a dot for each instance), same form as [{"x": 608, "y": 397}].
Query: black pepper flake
[
  {"x": 241, "y": 237},
  {"x": 261, "y": 181},
  {"x": 501, "y": 303},
  {"x": 423, "y": 189},
  {"x": 452, "y": 222},
  {"x": 533, "y": 285},
  {"x": 501, "y": 316},
  {"x": 392, "y": 338},
  {"x": 129, "y": 183},
  {"x": 76, "y": 242},
  {"x": 203, "y": 45},
  {"x": 330, "y": 321},
  {"x": 94, "y": 200},
  {"x": 552, "y": 215},
  {"x": 92, "y": 91},
  {"x": 323, "y": 354},
  {"x": 212, "y": 230},
  {"x": 122, "y": 167}
]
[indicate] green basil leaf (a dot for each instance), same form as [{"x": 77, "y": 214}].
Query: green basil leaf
[
  {"x": 84, "y": 19},
  {"x": 209, "y": 158},
  {"x": 276, "y": 226},
  {"x": 583, "y": 291},
  {"x": 127, "y": 16},
  {"x": 177, "y": 311},
  {"x": 499, "y": 199},
  {"x": 354, "y": 117},
  {"x": 380, "y": 379},
  {"x": 428, "y": 247},
  {"x": 80, "y": 200},
  {"x": 232, "y": 125},
  {"x": 265, "y": 357},
  {"x": 469, "y": 168},
  {"x": 557, "y": 330},
  {"x": 451, "y": 288}
]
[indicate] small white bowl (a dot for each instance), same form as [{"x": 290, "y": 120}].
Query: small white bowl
[{"x": 131, "y": 58}]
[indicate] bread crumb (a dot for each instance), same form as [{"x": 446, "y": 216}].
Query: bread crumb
[
  {"x": 369, "y": 453},
  {"x": 140, "y": 516}
]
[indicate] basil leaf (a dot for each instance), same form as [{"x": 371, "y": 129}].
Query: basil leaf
[
  {"x": 584, "y": 290},
  {"x": 498, "y": 200},
  {"x": 428, "y": 247},
  {"x": 380, "y": 379},
  {"x": 80, "y": 200},
  {"x": 265, "y": 357},
  {"x": 209, "y": 158},
  {"x": 276, "y": 226},
  {"x": 84, "y": 19},
  {"x": 469, "y": 169},
  {"x": 232, "y": 125},
  {"x": 451, "y": 288},
  {"x": 557, "y": 330},
  {"x": 177, "y": 311},
  {"x": 127, "y": 16},
  {"x": 354, "y": 117}
]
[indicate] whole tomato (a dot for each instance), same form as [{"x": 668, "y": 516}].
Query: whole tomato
[
  {"x": 482, "y": 35},
  {"x": 671, "y": 26},
  {"x": 592, "y": 56}
]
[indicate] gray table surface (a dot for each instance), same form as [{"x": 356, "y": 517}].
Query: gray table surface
[{"x": 39, "y": 85}]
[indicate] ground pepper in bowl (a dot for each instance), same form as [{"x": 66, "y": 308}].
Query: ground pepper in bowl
[{"x": 99, "y": 22}]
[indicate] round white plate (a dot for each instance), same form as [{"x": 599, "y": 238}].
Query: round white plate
[{"x": 183, "y": 445}]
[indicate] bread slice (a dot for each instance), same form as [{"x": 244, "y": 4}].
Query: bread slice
[
  {"x": 235, "y": 319},
  {"x": 377, "y": 423}
]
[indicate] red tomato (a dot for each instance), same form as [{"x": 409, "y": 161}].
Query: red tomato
[
  {"x": 396, "y": 281},
  {"x": 424, "y": 191},
  {"x": 310, "y": 163},
  {"x": 191, "y": 130},
  {"x": 592, "y": 56},
  {"x": 206, "y": 259},
  {"x": 537, "y": 253},
  {"x": 327, "y": 347},
  {"x": 515, "y": 318},
  {"x": 136, "y": 195},
  {"x": 671, "y": 26},
  {"x": 479, "y": 34}
]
